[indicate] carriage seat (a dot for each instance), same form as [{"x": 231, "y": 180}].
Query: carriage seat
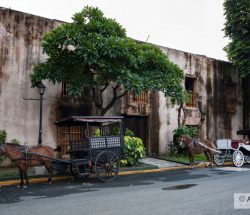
[{"x": 235, "y": 143}]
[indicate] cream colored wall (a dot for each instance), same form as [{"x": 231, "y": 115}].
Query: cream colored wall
[
  {"x": 209, "y": 72},
  {"x": 20, "y": 51},
  {"x": 20, "y": 37}
]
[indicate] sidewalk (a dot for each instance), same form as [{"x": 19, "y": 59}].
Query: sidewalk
[{"x": 152, "y": 165}]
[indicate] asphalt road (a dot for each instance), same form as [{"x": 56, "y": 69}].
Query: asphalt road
[{"x": 197, "y": 192}]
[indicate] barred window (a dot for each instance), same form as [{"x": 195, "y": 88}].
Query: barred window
[
  {"x": 140, "y": 99},
  {"x": 190, "y": 86}
]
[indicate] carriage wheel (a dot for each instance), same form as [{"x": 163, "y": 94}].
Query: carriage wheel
[
  {"x": 247, "y": 159},
  {"x": 238, "y": 158},
  {"x": 219, "y": 159},
  {"x": 107, "y": 166}
]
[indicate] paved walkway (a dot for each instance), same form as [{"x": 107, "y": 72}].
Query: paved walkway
[{"x": 160, "y": 163}]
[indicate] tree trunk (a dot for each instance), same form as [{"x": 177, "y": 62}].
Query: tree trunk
[{"x": 99, "y": 102}]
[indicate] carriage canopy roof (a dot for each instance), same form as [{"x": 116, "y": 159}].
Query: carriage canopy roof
[
  {"x": 244, "y": 132},
  {"x": 81, "y": 120}
]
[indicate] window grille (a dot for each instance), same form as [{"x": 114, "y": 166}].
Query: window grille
[
  {"x": 140, "y": 99},
  {"x": 193, "y": 100}
]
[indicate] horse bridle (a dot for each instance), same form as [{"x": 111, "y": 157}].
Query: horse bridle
[{"x": 187, "y": 144}]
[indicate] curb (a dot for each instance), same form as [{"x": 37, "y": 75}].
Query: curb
[{"x": 132, "y": 172}]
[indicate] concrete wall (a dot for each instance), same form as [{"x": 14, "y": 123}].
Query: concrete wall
[
  {"x": 220, "y": 89},
  {"x": 20, "y": 50}
]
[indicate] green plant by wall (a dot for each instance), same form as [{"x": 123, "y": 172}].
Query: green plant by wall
[
  {"x": 3, "y": 136},
  {"x": 134, "y": 151},
  {"x": 129, "y": 133},
  {"x": 186, "y": 130},
  {"x": 174, "y": 148},
  {"x": 15, "y": 141}
]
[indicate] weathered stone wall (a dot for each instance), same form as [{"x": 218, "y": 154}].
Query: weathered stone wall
[
  {"x": 221, "y": 99},
  {"x": 20, "y": 50},
  {"x": 246, "y": 102}
]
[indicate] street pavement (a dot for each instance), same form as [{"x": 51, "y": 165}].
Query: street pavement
[{"x": 201, "y": 191}]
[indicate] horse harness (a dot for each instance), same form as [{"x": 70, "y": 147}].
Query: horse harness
[
  {"x": 194, "y": 142},
  {"x": 26, "y": 155}
]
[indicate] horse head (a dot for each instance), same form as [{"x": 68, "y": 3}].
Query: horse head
[{"x": 184, "y": 140}]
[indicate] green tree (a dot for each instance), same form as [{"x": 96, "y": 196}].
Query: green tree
[
  {"x": 94, "y": 53},
  {"x": 237, "y": 29}
]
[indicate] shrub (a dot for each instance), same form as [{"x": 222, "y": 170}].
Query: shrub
[
  {"x": 3, "y": 136},
  {"x": 174, "y": 148},
  {"x": 15, "y": 141},
  {"x": 186, "y": 130},
  {"x": 134, "y": 149}
]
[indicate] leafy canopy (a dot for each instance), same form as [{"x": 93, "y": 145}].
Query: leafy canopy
[
  {"x": 237, "y": 28},
  {"x": 93, "y": 51}
]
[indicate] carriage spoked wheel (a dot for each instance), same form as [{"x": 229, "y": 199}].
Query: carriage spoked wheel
[
  {"x": 80, "y": 170},
  {"x": 247, "y": 159},
  {"x": 219, "y": 159},
  {"x": 107, "y": 166},
  {"x": 238, "y": 158}
]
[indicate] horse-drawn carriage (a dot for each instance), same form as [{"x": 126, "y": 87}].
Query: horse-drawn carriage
[
  {"x": 236, "y": 150},
  {"x": 98, "y": 148}
]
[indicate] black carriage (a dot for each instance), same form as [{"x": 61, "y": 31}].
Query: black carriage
[{"x": 97, "y": 149}]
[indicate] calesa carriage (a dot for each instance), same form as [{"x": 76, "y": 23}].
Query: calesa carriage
[
  {"x": 98, "y": 148},
  {"x": 236, "y": 150}
]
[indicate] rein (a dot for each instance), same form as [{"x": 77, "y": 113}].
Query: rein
[
  {"x": 197, "y": 141},
  {"x": 24, "y": 153},
  {"x": 208, "y": 147}
]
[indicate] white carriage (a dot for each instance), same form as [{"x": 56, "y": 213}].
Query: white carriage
[{"x": 236, "y": 150}]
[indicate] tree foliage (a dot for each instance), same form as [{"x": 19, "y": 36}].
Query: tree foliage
[
  {"x": 237, "y": 28},
  {"x": 94, "y": 52}
]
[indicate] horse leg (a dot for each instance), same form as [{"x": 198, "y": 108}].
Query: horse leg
[
  {"x": 49, "y": 169},
  {"x": 26, "y": 177},
  {"x": 209, "y": 159},
  {"x": 21, "y": 176},
  {"x": 210, "y": 155},
  {"x": 191, "y": 159},
  {"x": 207, "y": 156}
]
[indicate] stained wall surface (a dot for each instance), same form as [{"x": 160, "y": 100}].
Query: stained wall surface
[
  {"x": 219, "y": 89},
  {"x": 20, "y": 50}
]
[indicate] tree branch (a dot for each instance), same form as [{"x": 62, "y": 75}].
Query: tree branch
[
  {"x": 113, "y": 100},
  {"x": 105, "y": 87}
]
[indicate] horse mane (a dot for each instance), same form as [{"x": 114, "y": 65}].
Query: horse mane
[{"x": 15, "y": 145}]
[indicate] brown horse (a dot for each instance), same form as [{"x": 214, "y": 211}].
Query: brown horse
[
  {"x": 25, "y": 157},
  {"x": 195, "y": 146}
]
